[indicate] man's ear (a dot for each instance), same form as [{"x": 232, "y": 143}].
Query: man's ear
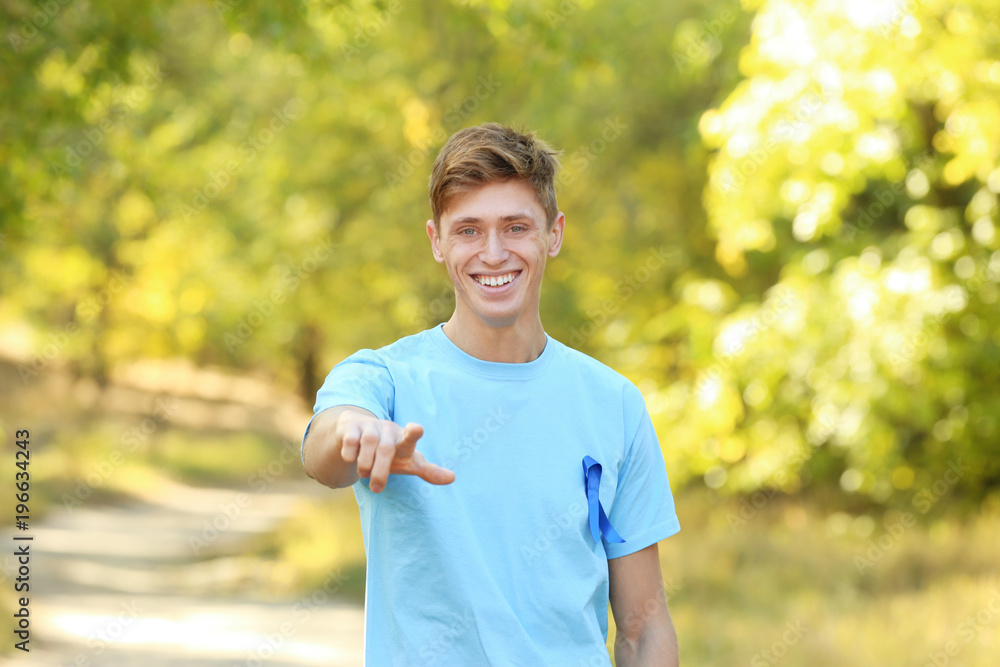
[
  {"x": 432, "y": 234},
  {"x": 556, "y": 234}
]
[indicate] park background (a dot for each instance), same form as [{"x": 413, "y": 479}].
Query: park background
[{"x": 781, "y": 225}]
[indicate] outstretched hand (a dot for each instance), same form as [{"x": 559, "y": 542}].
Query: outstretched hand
[{"x": 382, "y": 447}]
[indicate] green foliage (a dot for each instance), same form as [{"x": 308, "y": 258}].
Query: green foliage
[
  {"x": 802, "y": 279},
  {"x": 856, "y": 175}
]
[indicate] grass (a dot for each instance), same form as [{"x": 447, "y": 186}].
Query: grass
[
  {"x": 788, "y": 587},
  {"x": 322, "y": 539}
]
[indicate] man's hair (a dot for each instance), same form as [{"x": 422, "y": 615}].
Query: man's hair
[{"x": 493, "y": 153}]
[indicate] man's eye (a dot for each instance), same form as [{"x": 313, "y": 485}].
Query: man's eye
[
  {"x": 517, "y": 228},
  {"x": 468, "y": 232}
]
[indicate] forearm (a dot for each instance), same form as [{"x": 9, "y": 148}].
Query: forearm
[
  {"x": 653, "y": 646},
  {"x": 322, "y": 446}
]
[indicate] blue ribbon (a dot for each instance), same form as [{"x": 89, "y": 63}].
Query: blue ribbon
[{"x": 598, "y": 519}]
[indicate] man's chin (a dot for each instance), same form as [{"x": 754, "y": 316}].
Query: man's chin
[{"x": 494, "y": 318}]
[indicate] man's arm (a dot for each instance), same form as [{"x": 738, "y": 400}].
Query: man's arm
[
  {"x": 646, "y": 635},
  {"x": 347, "y": 442}
]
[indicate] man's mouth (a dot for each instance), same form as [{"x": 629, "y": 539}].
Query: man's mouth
[{"x": 495, "y": 280}]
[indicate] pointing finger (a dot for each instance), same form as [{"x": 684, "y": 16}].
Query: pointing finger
[
  {"x": 430, "y": 472},
  {"x": 435, "y": 474}
]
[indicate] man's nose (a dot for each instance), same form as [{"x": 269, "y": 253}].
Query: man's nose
[{"x": 493, "y": 251}]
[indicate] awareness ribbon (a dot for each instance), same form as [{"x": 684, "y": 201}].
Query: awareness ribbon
[{"x": 592, "y": 482}]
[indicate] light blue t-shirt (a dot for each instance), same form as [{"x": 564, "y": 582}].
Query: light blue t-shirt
[{"x": 500, "y": 567}]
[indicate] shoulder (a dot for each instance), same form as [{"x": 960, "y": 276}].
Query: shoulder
[
  {"x": 595, "y": 374},
  {"x": 402, "y": 349}
]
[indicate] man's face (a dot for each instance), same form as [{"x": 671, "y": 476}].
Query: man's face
[{"x": 496, "y": 234}]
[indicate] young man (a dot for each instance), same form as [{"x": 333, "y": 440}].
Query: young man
[{"x": 552, "y": 493}]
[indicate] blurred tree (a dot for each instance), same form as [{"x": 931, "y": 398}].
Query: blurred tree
[
  {"x": 802, "y": 280},
  {"x": 856, "y": 179}
]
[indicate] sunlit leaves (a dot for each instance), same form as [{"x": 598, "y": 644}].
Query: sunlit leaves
[
  {"x": 245, "y": 184},
  {"x": 872, "y": 122}
]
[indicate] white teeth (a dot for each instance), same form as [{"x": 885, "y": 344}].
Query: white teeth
[{"x": 494, "y": 281}]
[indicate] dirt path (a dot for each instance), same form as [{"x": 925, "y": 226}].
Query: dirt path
[{"x": 122, "y": 586}]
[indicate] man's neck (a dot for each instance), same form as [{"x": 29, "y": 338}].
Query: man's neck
[{"x": 518, "y": 343}]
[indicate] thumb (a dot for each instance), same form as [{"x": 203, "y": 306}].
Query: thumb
[{"x": 408, "y": 440}]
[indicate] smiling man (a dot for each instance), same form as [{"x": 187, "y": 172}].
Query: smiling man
[{"x": 548, "y": 494}]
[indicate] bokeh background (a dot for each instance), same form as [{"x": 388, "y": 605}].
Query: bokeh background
[{"x": 782, "y": 226}]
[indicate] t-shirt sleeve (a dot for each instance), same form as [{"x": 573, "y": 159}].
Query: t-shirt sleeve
[
  {"x": 362, "y": 380},
  {"x": 643, "y": 510}
]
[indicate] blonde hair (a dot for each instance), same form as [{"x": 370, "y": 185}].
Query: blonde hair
[{"x": 491, "y": 153}]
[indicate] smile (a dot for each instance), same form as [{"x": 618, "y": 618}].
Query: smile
[{"x": 495, "y": 281}]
